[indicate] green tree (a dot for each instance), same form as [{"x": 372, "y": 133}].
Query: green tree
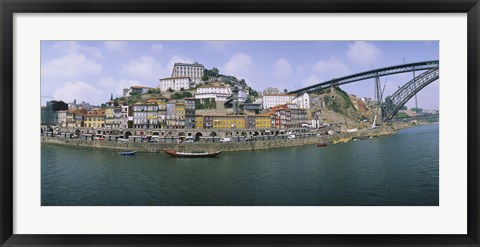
[
  {"x": 215, "y": 71},
  {"x": 187, "y": 94},
  {"x": 170, "y": 90},
  {"x": 134, "y": 93},
  {"x": 404, "y": 107},
  {"x": 181, "y": 95},
  {"x": 417, "y": 110},
  {"x": 153, "y": 90},
  {"x": 205, "y": 77}
]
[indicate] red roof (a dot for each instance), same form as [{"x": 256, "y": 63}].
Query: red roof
[{"x": 141, "y": 87}]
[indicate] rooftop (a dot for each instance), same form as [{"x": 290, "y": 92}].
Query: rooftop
[
  {"x": 195, "y": 64},
  {"x": 208, "y": 86},
  {"x": 95, "y": 113},
  {"x": 141, "y": 87},
  {"x": 279, "y": 95},
  {"x": 177, "y": 77}
]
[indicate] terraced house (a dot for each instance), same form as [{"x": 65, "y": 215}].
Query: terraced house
[
  {"x": 95, "y": 119},
  {"x": 145, "y": 116}
]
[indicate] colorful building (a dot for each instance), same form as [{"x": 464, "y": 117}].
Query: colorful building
[
  {"x": 189, "y": 113},
  {"x": 95, "y": 119},
  {"x": 263, "y": 121},
  {"x": 199, "y": 123},
  {"x": 145, "y": 115},
  {"x": 228, "y": 122},
  {"x": 179, "y": 115}
]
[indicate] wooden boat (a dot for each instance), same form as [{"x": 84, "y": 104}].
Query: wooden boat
[
  {"x": 174, "y": 153},
  {"x": 128, "y": 153},
  {"x": 324, "y": 144}
]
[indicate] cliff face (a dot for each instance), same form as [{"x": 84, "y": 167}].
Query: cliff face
[{"x": 336, "y": 106}]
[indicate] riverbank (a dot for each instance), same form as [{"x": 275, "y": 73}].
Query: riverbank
[{"x": 226, "y": 147}]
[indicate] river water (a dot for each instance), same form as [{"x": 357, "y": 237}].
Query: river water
[{"x": 396, "y": 170}]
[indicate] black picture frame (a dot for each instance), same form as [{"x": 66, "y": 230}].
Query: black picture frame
[{"x": 9, "y": 7}]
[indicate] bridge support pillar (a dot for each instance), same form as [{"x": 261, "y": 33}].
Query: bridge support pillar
[{"x": 378, "y": 91}]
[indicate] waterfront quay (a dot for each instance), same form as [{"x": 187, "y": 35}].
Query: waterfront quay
[
  {"x": 176, "y": 135},
  {"x": 267, "y": 140}
]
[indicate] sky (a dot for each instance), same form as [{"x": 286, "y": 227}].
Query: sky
[{"x": 91, "y": 71}]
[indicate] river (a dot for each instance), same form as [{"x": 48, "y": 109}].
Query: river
[{"x": 395, "y": 170}]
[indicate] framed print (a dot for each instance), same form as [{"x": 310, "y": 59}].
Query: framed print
[{"x": 240, "y": 123}]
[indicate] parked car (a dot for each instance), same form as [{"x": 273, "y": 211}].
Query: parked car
[
  {"x": 226, "y": 139},
  {"x": 291, "y": 137},
  {"x": 189, "y": 141}
]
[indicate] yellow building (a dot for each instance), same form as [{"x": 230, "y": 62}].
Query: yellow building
[
  {"x": 263, "y": 121},
  {"x": 228, "y": 122},
  {"x": 109, "y": 116},
  {"x": 199, "y": 123},
  {"x": 95, "y": 119},
  {"x": 179, "y": 114}
]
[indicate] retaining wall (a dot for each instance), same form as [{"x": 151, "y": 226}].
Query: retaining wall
[{"x": 232, "y": 146}]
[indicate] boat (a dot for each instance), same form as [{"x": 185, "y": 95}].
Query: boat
[
  {"x": 324, "y": 144},
  {"x": 128, "y": 152},
  {"x": 174, "y": 153}
]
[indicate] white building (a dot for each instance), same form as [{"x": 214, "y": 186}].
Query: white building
[
  {"x": 136, "y": 89},
  {"x": 175, "y": 83},
  {"x": 270, "y": 101},
  {"x": 271, "y": 91},
  {"x": 242, "y": 95},
  {"x": 193, "y": 71},
  {"x": 303, "y": 101},
  {"x": 210, "y": 91},
  {"x": 62, "y": 118}
]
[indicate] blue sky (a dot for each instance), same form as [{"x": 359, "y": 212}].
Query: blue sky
[{"x": 91, "y": 70}]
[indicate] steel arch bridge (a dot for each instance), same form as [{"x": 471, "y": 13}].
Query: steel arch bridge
[{"x": 394, "y": 102}]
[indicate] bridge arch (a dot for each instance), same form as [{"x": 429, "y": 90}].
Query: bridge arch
[{"x": 394, "y": 102}]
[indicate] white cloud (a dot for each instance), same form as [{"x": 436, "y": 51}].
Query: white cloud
[
  {"x": 240, "y": 65},
  {"x": 116, "y": 86},
  {"x": 333, "y": 67},
  {"x": 282, "y": 67},
  {"x": 74, "y": 47},
  {"x": 218, "y": 45},
  {"x": 145, "y": 67},
  {"x": 157, "y": 47},
  {"x": 363, "y": 53},
  {"x": 80, "y": 91},
  {"x": 117, "y": 46},
  {"x": 69, "y": 66},
  {"x": 311, "y": 80}
]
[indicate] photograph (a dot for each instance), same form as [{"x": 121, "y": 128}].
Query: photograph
[{"x": 239, "y": 122}]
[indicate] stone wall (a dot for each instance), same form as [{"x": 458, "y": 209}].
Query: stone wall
[{"x": 232, "y": 146}]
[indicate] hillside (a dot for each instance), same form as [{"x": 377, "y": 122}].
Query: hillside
[{"x": 336, "y": 101}]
